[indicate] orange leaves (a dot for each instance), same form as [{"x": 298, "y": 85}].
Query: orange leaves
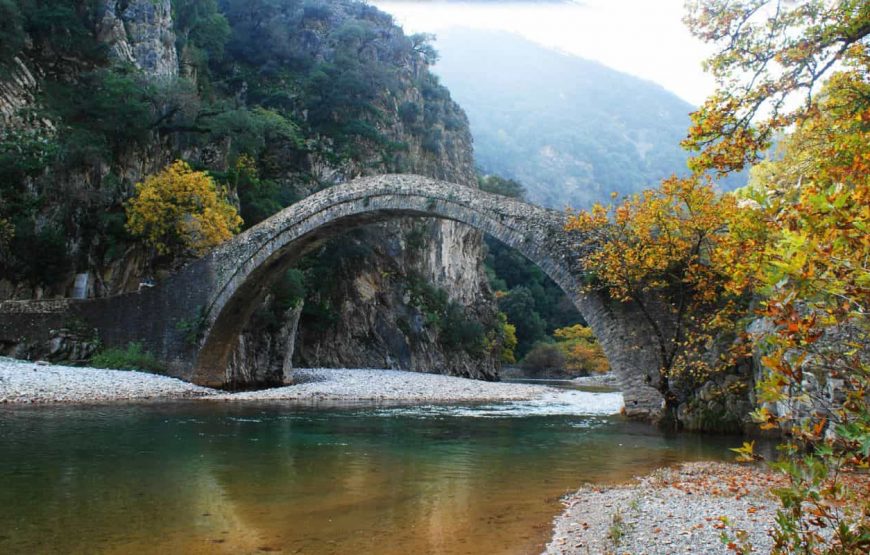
[
  {"x": 581, "y": 349},
  {"x": 766, "y": 64},
  {"x": 681, "y": 243}
]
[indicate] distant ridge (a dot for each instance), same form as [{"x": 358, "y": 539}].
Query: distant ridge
[{"x": 571, "y": 130}]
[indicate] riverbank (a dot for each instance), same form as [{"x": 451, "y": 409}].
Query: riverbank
[
  {"x": 23, "y": 382},
  {"x": 673, "y": 510}
]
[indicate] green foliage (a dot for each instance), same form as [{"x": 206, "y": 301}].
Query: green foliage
[
  {"x": 501, "y": 186},
  {"x": 43, "y": 257},
  {"x": 259, "y": 198},
  {"x": 64, "y": 27},
  {"x": 532, "y": 302},
  {"x": 322, "y": 273},
  {"x": 427, "y": 298},
  {"x": 457, "y": 331},
  {"x": 508, "y": 269},
  {"x": 133, "y": 357},
  {"x": 506, "y": 339},
  {"x": 200, "y": 25},
  {"x": 251, "y": 129},
  {"x": 290, "y": 290},
  {"x": 544, "y": 358},
  {"x": 12, "y": 35},
  {"x": 193, "y": 328},
  {"x": 519, "y": 306},
  {"x": 106, "y": 111}
]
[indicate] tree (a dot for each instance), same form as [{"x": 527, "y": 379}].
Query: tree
[
  {"x": 812, "y": 273},
  {"x": 519, "y": 307},
  {"x": 583, "y": 353},
  {"x": 179, "y": 211},
  {"x": 771, "y": 57},
  {"x": 7, "y": 231},
  {"x": 815, "y": 284},
  {"x": 544, "y": 358},
  {"x": 501, "y": 186},
  {"x": 506, "y": 339},
  {"x": 668, "y": 252}
]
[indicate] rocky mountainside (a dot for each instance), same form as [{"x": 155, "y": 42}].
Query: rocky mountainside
[
  {"x": 570, "y": 130},
  {"x": 276, "y": 99}
]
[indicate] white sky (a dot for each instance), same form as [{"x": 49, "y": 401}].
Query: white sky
[{"x": 645, "y": 38}]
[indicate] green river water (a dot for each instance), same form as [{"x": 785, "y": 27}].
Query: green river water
[{"x": 214, "y": 477}]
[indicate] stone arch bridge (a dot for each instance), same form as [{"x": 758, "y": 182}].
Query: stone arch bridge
[{"x": 217, "y": 294}]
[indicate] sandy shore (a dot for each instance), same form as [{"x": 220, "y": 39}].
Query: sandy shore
[
  {"x": 680, "y": 510},
  {"x": 23, "y": 382}
]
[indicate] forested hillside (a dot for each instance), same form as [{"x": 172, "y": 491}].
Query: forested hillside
[
  {"x": 275, "y": 100},
  {"x": 571, "y": 130}
]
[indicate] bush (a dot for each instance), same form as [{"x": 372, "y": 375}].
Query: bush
[
  {"x": 131, "y": 358},
  {"x": 583, "y": 353},
  {"x": 544, "y": 358},
  {"x": 180, "y": 210},
  {"x": 459, "y": 332}
]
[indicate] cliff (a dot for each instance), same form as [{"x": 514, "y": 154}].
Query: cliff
[{"x": 300, "y": 95}]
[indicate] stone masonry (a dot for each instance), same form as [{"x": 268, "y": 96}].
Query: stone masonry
[{"x": 191, "y": 320}]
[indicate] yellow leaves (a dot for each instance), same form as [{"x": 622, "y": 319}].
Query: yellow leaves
[
  {"x": 581, "y": 349},
  {"x": 746, "y": 452},
  {"x": 508, "y": 334},
  {"x": 179, "y": 210}
]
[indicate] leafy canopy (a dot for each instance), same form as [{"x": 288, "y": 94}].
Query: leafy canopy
[
  {"x": 771, "y": 58},
  {"x": 180, "y": 210},
  {"x": 583, "y": 353}
]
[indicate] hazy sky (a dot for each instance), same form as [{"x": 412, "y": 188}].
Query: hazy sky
[{"x": 645, "y": 38}]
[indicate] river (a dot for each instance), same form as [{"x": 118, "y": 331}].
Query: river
[{"x": 214, "y": 477}]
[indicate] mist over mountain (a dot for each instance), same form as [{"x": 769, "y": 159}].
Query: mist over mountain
[{"x": 571, "y": 130}]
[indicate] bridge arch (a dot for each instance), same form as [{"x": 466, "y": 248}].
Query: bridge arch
[
  {"x": 191, "y": 320},
  {"x": 247, "y": 265},
  {"x": 240, "y": 271}
]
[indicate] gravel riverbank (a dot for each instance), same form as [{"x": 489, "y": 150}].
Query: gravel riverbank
[
  {"x": 672, "y": 511},
  {"x": 23, "y": 382},
  {"x": 390, "y": 385}
]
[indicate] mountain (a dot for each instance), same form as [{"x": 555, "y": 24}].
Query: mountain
[
  {"x": 275, "y": 99},
  {"x": 571, "y": 130}
]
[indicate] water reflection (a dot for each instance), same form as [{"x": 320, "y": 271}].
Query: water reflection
[{"x": 207, "y": 478}]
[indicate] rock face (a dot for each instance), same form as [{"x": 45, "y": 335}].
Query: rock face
[
  {"x": 140, "y": 32},
  {"x": 369, "y": 321}
]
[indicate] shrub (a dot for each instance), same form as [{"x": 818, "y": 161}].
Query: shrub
[
  {"x": 544, "y": 358},
  {"x": 131, "y": 358},
  {"x": 180, "y": 210},
  {"x": 458, "y": 331},
  {"x": 583, "y": 353}
]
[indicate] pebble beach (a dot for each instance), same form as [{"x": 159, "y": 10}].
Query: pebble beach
[
  {"x": 672, "y": 511},
  {"x": 23, "y": 382}
]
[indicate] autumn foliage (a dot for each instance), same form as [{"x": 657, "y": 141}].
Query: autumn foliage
[
  {"x": 179, "y": 211},
  {"x": 771, "y": 57},
  {"x": 583, "y": 353},
  {"x": 669, "y": 252},
  {"x": 790, "y": 253}
]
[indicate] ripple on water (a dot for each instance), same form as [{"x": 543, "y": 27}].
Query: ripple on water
[{"x": 563, "y": 403}]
